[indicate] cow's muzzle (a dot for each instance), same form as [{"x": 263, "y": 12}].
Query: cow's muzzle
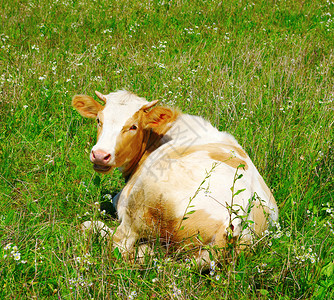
[{"x": 101, "y": 160}]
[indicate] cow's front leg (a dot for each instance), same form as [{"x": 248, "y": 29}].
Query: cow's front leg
[{"x": 124, "y": 239}]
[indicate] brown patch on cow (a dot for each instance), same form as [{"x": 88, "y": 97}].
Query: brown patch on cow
[
  {"x": 260, "y": 215},
  {"x": 196, "y": 229},
  {"x": 214, "y": 151},
  {"x": 135, "y": 146},
  {"x": 159, "y": 217},
  {"x": 239, "y": 150},
  {"x": 199, "y": 228},
  {"x": 130, "y": 145},
  {"x": 226, "y": 158}
]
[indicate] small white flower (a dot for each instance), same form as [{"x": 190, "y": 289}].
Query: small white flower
[
  {"x": 17, "y": 256},
  {"x": 7, "y": 247},
  {"x": 133, "y": 295},
  {"x": 35, "y": 47},
  {"x": 177, "y": 292}
]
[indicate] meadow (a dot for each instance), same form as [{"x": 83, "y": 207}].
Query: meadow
[{"x": 261, "y": 70}]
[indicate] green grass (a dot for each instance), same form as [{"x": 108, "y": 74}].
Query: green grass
[{"x": 262, "y": 71}]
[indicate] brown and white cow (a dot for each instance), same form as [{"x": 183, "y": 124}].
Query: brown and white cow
[{"x": 179, "y": 173}]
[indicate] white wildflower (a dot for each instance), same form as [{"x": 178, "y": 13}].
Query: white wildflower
[
  {"x": 17, "y": 256},
  {"x": 133, "y": 295},
  {"x": 7, "y": 247}
]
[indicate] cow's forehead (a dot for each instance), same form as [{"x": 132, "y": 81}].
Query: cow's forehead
[
  {"x": 119, "y": 114},
  {"x": 121, "y": 106}
]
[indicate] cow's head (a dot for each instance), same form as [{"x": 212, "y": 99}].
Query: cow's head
[{"x": 122, "y": 126}]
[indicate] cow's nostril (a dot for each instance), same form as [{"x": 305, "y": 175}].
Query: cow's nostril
[{"x": 107, "y": 157}]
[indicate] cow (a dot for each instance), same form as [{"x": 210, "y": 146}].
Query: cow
[{"x": 187, "y": 183}]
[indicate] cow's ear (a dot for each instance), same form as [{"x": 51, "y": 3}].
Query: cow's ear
[
  {"x": 149, "y": 105},
  {"x": 158, "y": 116},
  {"x": 86, "y": 106}
]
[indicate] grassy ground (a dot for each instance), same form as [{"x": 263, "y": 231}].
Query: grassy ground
[{"x": 264, "y": 71}]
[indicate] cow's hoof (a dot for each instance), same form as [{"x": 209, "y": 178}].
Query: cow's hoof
[{"x": 96, "y": 227}]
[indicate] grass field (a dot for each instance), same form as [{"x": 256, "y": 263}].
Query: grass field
[{"x": 261, "y": 70}]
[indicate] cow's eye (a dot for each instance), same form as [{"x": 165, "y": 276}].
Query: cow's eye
[
  {"x": 98, "y": 121},
  {"x": 133, "y": 127}
]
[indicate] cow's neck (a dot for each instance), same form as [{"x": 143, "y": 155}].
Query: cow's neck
[{"x": 151, "y": 142}]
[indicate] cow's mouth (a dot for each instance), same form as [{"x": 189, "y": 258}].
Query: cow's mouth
[{"x": 101, "y": 169}]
